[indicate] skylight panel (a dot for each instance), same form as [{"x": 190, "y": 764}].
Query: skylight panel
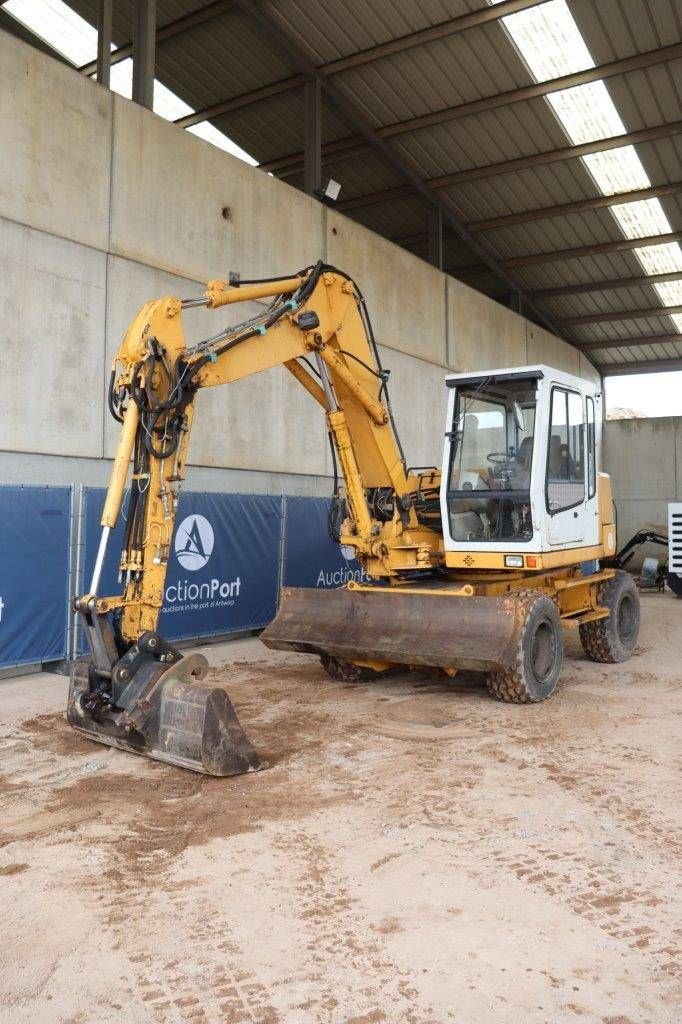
[
  {"x": 58, "y": 25},
  {"x": 121, "y": 79},
  {"x": 661, "y": 259},
  {"x": 205, "y": 130},
  {"x": 643, "y": 218},
  {"x": 551, "y": 44},
  {"x": 549, "y": 40},
  {"x": 617, "y": 170},
  {"x": 587, "y": 113},
  {"x": 69, "y": 34}
]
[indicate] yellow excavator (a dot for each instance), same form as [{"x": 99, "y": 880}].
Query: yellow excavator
[{"x": 475, "y": 566}]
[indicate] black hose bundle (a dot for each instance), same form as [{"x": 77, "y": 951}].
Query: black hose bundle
[{"x": 338, "y": 512}]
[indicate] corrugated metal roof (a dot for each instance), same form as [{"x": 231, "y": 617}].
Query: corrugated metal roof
[{"x": 231, "y": 55}]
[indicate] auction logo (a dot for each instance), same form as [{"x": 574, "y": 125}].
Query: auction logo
[{"x": 194, "y": 542}]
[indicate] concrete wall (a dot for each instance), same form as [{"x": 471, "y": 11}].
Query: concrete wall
[
  {"x": 103, "y": 205},
  {"x": 644, "y": 460}
]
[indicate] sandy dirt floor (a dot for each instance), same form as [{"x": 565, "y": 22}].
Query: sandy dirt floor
[{"x": 416, "y": 852}]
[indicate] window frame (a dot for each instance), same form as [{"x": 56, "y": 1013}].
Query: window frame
[
  {"x": 453, "y": 433},
  {"x": 591, "y": 448},
  {"x": 566, "y": 391}
]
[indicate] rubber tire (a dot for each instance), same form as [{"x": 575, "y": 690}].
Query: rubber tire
[
  {"x": 603, "y": 640},
  {"x": 345, "y": 671},
  {"x": 520, "y": 684},
  {"x": 674, "y": 582}
]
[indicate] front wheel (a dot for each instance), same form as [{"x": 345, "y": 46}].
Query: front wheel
[
  {"x": 539, "y": 653},
  {"x": 613, "y": 639},
  {"x": 347, "y": 671}
]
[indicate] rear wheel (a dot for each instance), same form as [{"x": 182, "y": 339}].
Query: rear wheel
[
  {"x": 539, "y": 653},
  {"x": 346, "y": 671},
  {"x": 612, "y": 640}
]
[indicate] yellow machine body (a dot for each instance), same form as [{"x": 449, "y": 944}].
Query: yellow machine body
[{"x": 426, "y": 606}]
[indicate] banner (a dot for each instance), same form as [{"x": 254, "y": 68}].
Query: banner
[
  {"x": 223, "y": 569},
  {"x": 311, "y": 557},
  {"x": 34, "y": 579}
]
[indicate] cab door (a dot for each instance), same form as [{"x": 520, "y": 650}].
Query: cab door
[{"x": 565, "y": 491}]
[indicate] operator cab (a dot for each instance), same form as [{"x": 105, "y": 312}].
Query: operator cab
[{"x": 520, "y": 453}]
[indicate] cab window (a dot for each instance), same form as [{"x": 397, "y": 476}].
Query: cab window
[{"x": 566, "y": 452}]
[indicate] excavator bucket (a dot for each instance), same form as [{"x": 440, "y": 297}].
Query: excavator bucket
[
  {"x": 437, "y": 626},
  {"x": 167, "y": 713}
]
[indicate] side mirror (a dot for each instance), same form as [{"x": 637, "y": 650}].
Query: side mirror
[{"x": 518, "y": 416}]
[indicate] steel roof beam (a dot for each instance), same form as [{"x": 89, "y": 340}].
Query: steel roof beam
[
  {"x": 640, "y": 366},
  {"x": 585, "y": 288},
  {"x": 104, "y": 42},
  {"x": 597, "y": 249},
  {"x": 373, "y": 53},
  {"x": 578, "y": 206},
  {"x": 277, "y": 32},
  {"x": 452, "y": 27},
  {"x": 291, "y": 164},
  {"x": 621, "y": 314},
  {"x": 312, "y": 169},
  {"x": 244, "y": 100},
  {"x": 522, "y": 163},
  {"x": 144, "y": 52},
  {"x": 173, "y": 28},
  {"x": 645, "y": 339}
]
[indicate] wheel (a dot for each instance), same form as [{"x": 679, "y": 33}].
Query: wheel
[
  {"x": 674, "y": 581},
  {"x": 613, "y": 639},
  {"x": 539, "y": 653},
  {"x": 345, "y": 671}
]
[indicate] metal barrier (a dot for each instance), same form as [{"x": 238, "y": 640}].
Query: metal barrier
[
  {"x": 35, "y": 580},
  {"x": 230, "y": 556},
  {"x": 310, "y": 557}
]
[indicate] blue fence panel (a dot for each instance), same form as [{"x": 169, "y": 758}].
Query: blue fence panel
[
  {"x": 311, "y": 557},
  {"x": 34, "y": 579},
  {"x": 224, "y": 564}
]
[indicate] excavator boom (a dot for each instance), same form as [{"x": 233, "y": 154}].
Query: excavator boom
[{"x": 136, "y": 691}]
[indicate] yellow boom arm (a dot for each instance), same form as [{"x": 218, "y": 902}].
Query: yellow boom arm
[{"x": 315, "y": 322}]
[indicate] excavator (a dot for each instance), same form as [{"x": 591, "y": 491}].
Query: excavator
[{"x": 475, "y": 566}]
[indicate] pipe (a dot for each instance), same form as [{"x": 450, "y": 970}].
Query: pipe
[
  {"x": 99, "y": 561},
  {"x": 375, "y": 409},
  {"x": 119, "y": 471},
  {"x": 332, "y": 404},
  {"x": 220, "y": 293}
]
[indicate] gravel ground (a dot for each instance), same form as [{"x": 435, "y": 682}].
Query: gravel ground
[{"x": 415, "y": 852}]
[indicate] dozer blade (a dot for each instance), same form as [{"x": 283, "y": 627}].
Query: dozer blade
[
  {"x": 375, "y": 624},
  {"x": 166, "y": 713}
]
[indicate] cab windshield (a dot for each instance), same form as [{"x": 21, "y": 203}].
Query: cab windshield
[{"x": 491, "y": 455}]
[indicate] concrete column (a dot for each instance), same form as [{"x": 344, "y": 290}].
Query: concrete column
[
  {"x": 144, "y": 52},
  {"x": 436, "y": 237},
  {"x": 104, "y": 42},
  {"x": 312, "y": 165}
]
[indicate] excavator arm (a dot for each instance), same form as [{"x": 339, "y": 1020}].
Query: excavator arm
[{"x": 317, "y": 327}]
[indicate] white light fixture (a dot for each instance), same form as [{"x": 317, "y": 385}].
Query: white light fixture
[{"x": 332, "y": 190}]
